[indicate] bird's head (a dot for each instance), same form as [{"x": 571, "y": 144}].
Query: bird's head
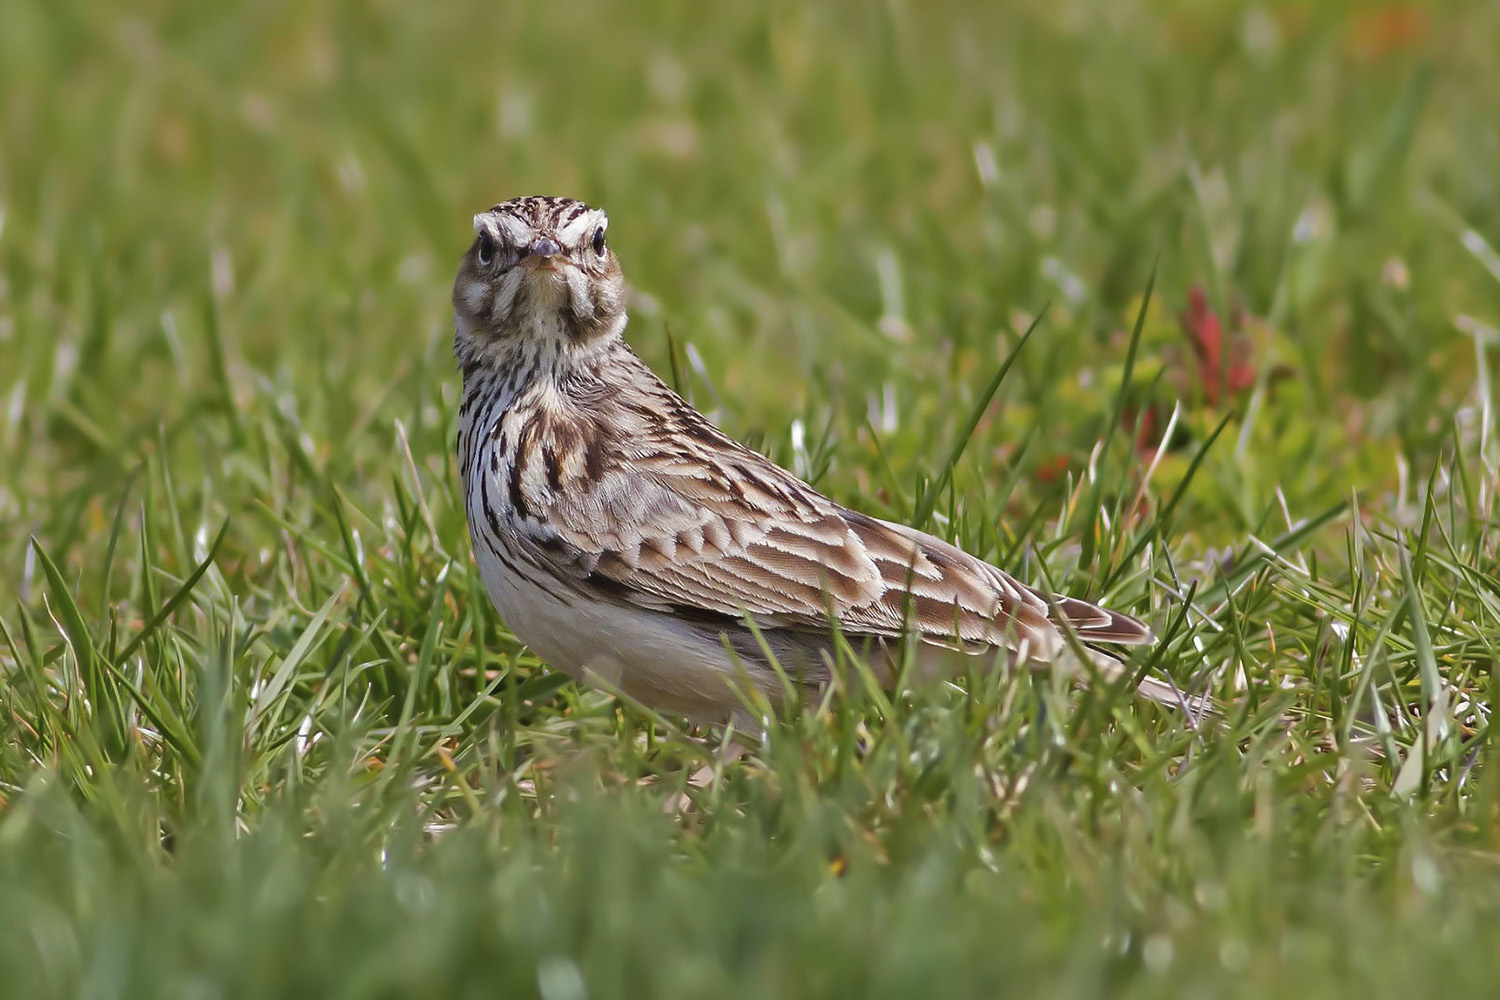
[{"x": 539, "y": 269}]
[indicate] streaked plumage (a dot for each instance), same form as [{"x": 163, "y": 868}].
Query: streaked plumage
[{"x": 624, "y": 537}]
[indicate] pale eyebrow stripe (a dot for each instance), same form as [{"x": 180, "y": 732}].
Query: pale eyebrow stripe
[
  {"x": 576, "y": 230},
  {"x": 515, "y": 231}
]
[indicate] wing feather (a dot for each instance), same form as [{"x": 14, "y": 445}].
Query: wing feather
[{"x": 717, "y": 528}]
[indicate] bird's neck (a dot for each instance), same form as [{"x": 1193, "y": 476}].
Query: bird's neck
[{"x": 535, "y": 358}]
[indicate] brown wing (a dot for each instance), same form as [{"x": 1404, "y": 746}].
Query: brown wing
[{"x": 647, "y": 503}]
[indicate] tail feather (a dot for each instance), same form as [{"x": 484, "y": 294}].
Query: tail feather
[
  {"x": 1096, "y": 624},
  {"x": 1163, "y": 692},
  {"x": 1120, "y": 628}
]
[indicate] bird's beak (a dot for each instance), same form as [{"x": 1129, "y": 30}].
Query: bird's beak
[{"x": 541, "y": 252}]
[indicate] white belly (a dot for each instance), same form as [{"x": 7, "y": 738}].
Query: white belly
[{"x": 650, "y": 657}]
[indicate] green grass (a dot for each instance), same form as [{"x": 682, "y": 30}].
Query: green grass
[{"x": 262, "y": 734}]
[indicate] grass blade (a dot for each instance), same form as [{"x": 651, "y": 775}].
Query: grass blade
[
  {"x": 927, "y": 502},
  {"x": 1096, "y": 500}
]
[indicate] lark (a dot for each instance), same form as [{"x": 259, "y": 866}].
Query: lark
[{"x": 631, "y": 543}]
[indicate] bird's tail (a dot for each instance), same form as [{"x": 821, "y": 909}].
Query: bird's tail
[{"x": 1162, "y": 691}]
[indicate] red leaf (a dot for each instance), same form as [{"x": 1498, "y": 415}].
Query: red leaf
[
  {"x": 1206, "y": 335},
  {"x": 1378, "y": 31},
  {"x": 1052, "y": 468}
]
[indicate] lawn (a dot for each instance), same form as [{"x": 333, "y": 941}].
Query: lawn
[{"x": 263, "y": 734}]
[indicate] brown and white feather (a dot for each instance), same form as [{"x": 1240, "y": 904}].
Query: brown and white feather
[{"x": 599, "y": 499}]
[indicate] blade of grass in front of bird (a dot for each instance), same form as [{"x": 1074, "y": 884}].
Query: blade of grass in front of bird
[
  {"x": 104, "y": 699},
  {"x": 1248, "y": 561},
  {"x": 1096, "y": 500},
  {"x": 270, "y": 696},
  {"x": 928, "y": 500},
  {"x": 107, "y": 574},
  {"x": 404, "y": 735},
  {"x": 219, "y": 364},
  {"x": 1017, "y": 474},
  {"x": 1162, "y": 525},
  {"x": 177, "y": 597},
  {"x": 49, "y": 726},
  {"x": 354, "y": 560},
  {"x": 1436, "y": 726},
  {"x": 893, "y": 481},
  {"x": 674, "y": 364}
]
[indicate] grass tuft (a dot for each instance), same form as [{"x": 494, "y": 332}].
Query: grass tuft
[{"x": 263, "y": 733}]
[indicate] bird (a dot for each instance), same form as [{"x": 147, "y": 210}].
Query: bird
[{"x": 632, "y": 544}]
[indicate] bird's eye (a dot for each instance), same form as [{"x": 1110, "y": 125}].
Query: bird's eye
[
  {"x": 486, "y": 249},
  {"x": 599, "y": 241}
]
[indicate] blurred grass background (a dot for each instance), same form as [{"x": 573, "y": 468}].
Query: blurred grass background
[{"x": 264, "y": 735}]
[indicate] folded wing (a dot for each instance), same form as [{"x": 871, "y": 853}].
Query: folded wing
[{"x": 721, "y": 531}]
